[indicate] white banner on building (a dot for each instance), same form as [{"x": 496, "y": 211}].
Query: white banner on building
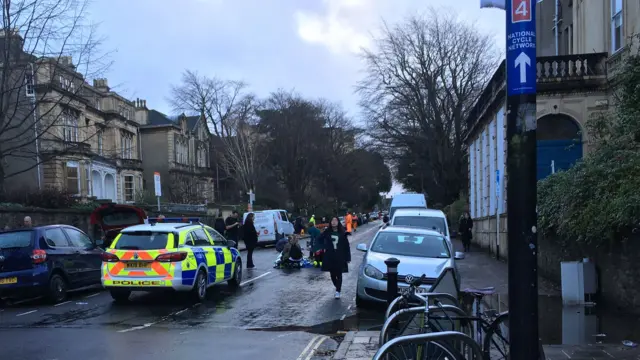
[{"x": 499, "y": 4}]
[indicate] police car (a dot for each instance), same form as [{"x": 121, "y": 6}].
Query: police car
[{"x": 174, "y": 254}]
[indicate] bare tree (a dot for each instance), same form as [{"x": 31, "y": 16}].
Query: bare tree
[
  {"x": 40, "y": 41},
  {"x": 230, "y": 113},
  {"x": 422, "y": 80},
  {"x": 217, "y": 99}
]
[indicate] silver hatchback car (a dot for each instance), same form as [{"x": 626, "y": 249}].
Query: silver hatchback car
[{"x": 420, "y": 251}]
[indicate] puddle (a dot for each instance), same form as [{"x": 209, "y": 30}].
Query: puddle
[
  {"x": 577, "y": 324},
  {"x": 359, "y": 322}
]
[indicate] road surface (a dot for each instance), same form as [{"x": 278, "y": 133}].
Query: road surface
[{"x": 276, "y": 314}]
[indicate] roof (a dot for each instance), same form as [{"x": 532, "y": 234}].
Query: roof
[
  {"x": 410, "y": 230},
  {"x": 419, "y": 212},
  {"x": 157, "y": 118},
  {"x": 160, "y": 227}
]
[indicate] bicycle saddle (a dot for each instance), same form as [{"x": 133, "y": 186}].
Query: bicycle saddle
[{"x": 481, "y": 291}]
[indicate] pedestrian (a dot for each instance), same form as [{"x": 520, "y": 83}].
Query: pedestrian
[
  {"x": 250, "y": 236},
  {"x": 219, "y": 224},
  {"x": 314, "y": 238},
  {"x": 337, "y": 254},
  {"x": 355, "y": 222},
  {"x": 232, "y": 226},
  {"x": 348, "y": 219},
  {"x": 313, "y": 220},
  {"x": 27, "y": 222},
  {"x": 465, "y": 227},
  {"x": 297, "y": 228}
]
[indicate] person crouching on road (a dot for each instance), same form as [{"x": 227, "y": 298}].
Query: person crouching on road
[
  {"x": 337, "y": 254},
  {"x": 250, "y": 236},
  {"x": 314, "y": 238},
  {"x": 292, "y": 252}
]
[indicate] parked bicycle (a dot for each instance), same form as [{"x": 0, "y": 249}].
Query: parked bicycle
[{"x": 487, "y": 328}]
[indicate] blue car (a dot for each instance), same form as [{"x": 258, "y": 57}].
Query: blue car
[{"x": 47, "y": 261}]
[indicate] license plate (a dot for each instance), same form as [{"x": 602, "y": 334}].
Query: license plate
[
  {"x": 11, "y": 280},
  {"x": 405, "y": 290},
  {"x": 137, "y": 265}
]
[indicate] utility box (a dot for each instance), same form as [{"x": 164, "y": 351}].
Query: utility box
[{"x": 579, "y": 281}]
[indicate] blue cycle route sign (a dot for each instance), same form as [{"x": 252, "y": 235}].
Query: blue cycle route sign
[{"x": 521, "y": 47}]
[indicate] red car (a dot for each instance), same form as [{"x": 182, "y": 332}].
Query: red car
[{"x": 109, "y": 219}]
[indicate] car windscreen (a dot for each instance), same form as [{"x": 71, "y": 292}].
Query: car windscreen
[
  {"x": 424, "y": 222},
  {"x": 16, "y": 239},
  {"x": 407, "y": 244},
  {"x": 142, "y": 240}
]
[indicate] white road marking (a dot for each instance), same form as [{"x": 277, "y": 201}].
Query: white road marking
[
  {"x": 309, "y": 345},
  {"x": 349, "y": 307},
  {"x": 62, "y": 303},
  {"x": 342, "y": 317},
  {"x": 255, "y": 278},
  {"x": 92, "y": 295},
  {"x": 144, "y": 326},
  {"x": 27, "y": 313},
  {"x": 313, "y": 350}
]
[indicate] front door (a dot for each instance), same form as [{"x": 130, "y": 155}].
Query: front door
[{"x": 90, "y": 256}]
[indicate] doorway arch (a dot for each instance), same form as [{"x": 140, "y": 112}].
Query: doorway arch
[
  {"x": 110, "y": 187},
  {"x": 559, "y": 144}
]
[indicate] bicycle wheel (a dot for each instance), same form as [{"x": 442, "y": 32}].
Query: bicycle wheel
[
  {"x": 428, "y": 350},
  {"x": 496, "y": 340},
  {"x": 414, "y": 321}
]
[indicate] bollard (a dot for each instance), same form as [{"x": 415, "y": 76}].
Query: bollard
[{"x": 392, "y": 279}]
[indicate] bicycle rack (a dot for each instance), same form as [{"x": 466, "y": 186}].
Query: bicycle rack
[
  {"x": 419, "y": 338},
  {"x": 419, "y": 309},
  {"x": 427, "y": 296}
]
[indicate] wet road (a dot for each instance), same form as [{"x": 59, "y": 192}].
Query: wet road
[{"x": 276, "y": 314}]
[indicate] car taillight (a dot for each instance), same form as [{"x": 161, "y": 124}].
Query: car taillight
[
  {"x": 109, "y": 257},
  {"x": 38, "y": 256},
  {"x": 172, "y": 257}
]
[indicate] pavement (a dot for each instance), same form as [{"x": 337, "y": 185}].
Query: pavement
[{"x": 275, "y": 314}]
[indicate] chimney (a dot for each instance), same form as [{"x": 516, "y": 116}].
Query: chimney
[
  {"x": 142, "y": 113},
  {"x": 101, "y": 84},
  {"x": 141, "y": 104},
  {"x": 16, "y": 42}
]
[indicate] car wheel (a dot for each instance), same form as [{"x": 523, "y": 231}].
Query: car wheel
[
  {"x": 199, "y": 291},
  {"x": 120, "y": 296},
  {"x": 235, "y": 281},
  {"x": 57, "y": 291}
]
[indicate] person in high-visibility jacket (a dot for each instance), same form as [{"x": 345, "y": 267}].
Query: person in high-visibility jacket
[
  {"x": 313, "y": 220},
  {"x": 348, "y": 219}
]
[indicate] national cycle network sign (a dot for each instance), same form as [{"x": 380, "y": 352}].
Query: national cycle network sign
[{"x": 521, "y": 47}]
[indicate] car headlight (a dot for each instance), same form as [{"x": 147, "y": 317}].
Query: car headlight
[{"x": 372, "y": 272}]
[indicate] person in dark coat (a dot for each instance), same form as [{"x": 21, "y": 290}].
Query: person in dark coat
[
  {"x": 337, "y": 253},
  {"x": 465, "y": 228},
  {"x": 250, "y": 236},
  {"x": 219, "y": 225}
]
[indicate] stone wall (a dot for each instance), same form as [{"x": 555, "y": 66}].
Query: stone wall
[
  {"x": 617, "y": 264},
  {"x": 77, "y": 218}
]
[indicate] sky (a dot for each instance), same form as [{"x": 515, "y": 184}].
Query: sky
[{"x": 310, "y": 46}]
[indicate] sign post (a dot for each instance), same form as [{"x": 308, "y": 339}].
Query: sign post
[
  {"x": 252, "y": 198},
  {"x": 522, "y": 180},
  {"x": 157, "y": 187}
]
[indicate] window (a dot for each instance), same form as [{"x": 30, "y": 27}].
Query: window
[
  {"x": 16, "y": 239},
  {"x": 410, "y": 244},
  {"x": 87, "y": 178},
  {"x": 182, "y": 151},
  {"x": 29, "y": 84},
  {"x": 73, "y": 178},
  {"x": 66, "y": 84},
  {"x": 128, "y": 188},
  {"x": 142, "y": 240},
  {"x": 218, "y": 239},
  {"x": 70, "y": 125},
  {"x": 126, "y": 140},
  {"x": 201, "y": 238},
  {"x": 55, "y": 237},
  {"x": 97, "y": 104},
  {"x": 202, "y": 157},
  {"x": 100, "y": 142},
  {"x": 78, "y": 239},
  {"x": 616, "y": 25},
  {"x": 424, "y": 222}
]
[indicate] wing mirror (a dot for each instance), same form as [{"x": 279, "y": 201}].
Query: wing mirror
[
  {"x": 459, "y": 255},
  {"x": 362, "y": 247}
]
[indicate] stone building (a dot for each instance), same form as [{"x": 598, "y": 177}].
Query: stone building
[
  {"x": 179, "y": 149},
  {"x": 590, "y": 42},
  {"x": 78, "y": 137}
]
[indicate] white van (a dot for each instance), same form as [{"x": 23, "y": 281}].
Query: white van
[
  {"x": 407, "y": 201},
  {"x": 272, "y": 225},
  {"x": 430, "y": 219}
]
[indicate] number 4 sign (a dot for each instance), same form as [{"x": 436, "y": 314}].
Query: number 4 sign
[{"x": 521, "y": 11}]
